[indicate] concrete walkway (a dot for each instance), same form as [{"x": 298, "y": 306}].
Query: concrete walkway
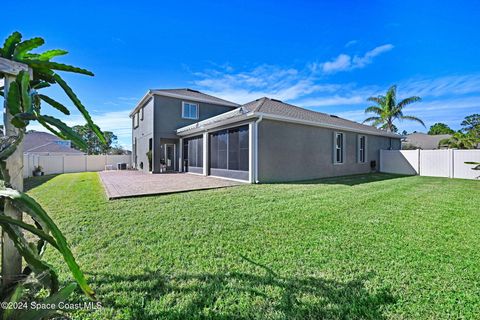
[{"x": 122, "y": 184}]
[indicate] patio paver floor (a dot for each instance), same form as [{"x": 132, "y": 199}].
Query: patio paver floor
[{"x": 123, "y": 184}]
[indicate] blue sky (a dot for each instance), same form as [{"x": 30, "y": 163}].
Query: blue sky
[{"x": 328, "y": 56}]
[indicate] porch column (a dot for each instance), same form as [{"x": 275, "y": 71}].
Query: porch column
[
  {"x": 251, "y": 152},
  {"x": 180, "y": 156},
  {"x": 205, "y": 153}
]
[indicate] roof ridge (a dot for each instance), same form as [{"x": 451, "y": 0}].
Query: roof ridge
[{"x": 260, "y": 104}]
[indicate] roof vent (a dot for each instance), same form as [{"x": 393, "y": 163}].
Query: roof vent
[
  {"x": 277, "y": 100},
  {"x": 191, "y": 90},
  {"x": 333, "y": 116}
]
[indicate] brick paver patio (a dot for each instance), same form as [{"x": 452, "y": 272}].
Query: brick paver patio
[{"x": 122, "y": 184}]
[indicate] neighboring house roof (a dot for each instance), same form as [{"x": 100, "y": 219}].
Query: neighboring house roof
[
  {"x": 42, "y": 142},
  {"x": 424, "y": 141},
  {"x": 186, "y": 94},
  {"x": 278, "y": 110}
]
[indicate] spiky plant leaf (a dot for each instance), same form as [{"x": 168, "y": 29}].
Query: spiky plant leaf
[
  {"x": 66, "y": 131},
  {"x": 57, "y": 105},
  {"x": 24, "y": 79},
  {"x": 80, "y": 107},
  {"x": 23, "y": 47},
  {"x": 30, "y": 206},
  {"x": 57, "y": 66},
  {"x": 36, "y": 231},
  {"x": 54, "y": 299},
  {"x": 13, "y": 99},
  {"x": 30, "y": 255},
  {"x": 10, "y": 43},
  {"x": 17, "y": 294},
  {"x": 47, "y": 55},
  {"x": 38, "y": 84}
]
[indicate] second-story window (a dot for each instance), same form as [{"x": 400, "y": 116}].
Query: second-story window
[
  {"x": 135, "y": 120},
  {"x": 189, "y": 110}
]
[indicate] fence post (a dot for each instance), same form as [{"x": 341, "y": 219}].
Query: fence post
[
  {"x": 451, "y": 163},
  {"x": 419, "y": 159},
  {"x": 380, "y": 159}
]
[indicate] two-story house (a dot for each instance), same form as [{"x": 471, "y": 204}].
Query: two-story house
[
  {"x": 156, "y": 118},
  {"x": 265, "y": 140}
]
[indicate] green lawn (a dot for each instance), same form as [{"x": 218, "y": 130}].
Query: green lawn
[{"x": 375, "y": 246}]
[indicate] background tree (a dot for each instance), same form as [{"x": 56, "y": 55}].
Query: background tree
[
  {"x": 471, "y": 124},
  {"x": 460, "y": 140},
  {"x": 387, "y": 110},
  {"x": 440, "y": 128},
  {"x": 23, "y": 103},
  {"x": 92, "y": 142}
]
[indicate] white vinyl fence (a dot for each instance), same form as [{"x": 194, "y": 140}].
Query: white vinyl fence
[
  {"x": 65, "y": 164},
  {"x": 448, "y": 163}
]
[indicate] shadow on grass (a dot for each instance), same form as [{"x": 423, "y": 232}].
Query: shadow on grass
[
  {"x": 240, "y": 295},
  {"x": 353, "y": 180},
  {"x": 33, "y": 182}
]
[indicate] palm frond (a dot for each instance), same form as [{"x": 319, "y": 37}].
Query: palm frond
[
  {"x": 413, "y": 119},
  {"x": 374, "y": 109},
  {"x": 379, "y": 100},
  {"x": 408, "y": 101},
  {"x": 370, "y": 119}
]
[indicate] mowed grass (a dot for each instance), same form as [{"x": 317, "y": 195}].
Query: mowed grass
[{"x": 370, "y": 247}]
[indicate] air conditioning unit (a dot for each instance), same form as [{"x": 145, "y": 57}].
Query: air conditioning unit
[{"x": 121, "y": 166}]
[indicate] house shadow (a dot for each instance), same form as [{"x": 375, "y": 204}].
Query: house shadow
[
  {"x": 352, "y": 180},
  {"x": 33, "y": 182},
  {"x": 258, "y": 295}
]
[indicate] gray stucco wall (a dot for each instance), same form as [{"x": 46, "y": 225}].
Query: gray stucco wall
[
  {"x": 167, "y": 117},
  {"x": 293, "y": 152},
  {"x": 143, "y": 133}
]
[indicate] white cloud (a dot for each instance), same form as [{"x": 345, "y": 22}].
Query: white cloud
[
  {"x": 345, "y": 62},
  {"x": 340, "y": 63},
  {"x": 265, "y": 80},
  {"x": 351, "y": 43}
]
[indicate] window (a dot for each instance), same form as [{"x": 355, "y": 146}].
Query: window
[
  {"x": 142, "y": 111},
  {"x": 362, "y": 149},
  {"x": 338, "y": 147},
  {"x": 135, "y": 120},
  {"x": 189, "y": 110},
  {"x": 229, "y": 149}
]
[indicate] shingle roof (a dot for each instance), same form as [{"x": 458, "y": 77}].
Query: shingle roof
[
  {"x": 35, "y": 142},
  {"x": 282, "y": 110},
  {"x": 186, "y": 94},
  {"x": 195, "y": 94},
  {"x": 425, "y": 141}
]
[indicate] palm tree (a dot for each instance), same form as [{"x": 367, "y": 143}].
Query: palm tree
[{"x": 388, "y": 110}]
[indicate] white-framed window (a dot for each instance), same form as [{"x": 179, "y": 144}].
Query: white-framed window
[
  {"x": 338, "y": 147},
  {"x": 189, "y": 110},
  {"x": 142, "y": 111},
  {"x": 135, "y": 120},
  {"x": 362, "y": 148}
]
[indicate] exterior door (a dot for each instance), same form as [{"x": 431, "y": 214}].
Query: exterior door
[{"x": 170, "y": 157}]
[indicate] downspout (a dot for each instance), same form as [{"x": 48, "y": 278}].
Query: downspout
[{"x": 255, "y": 178}]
